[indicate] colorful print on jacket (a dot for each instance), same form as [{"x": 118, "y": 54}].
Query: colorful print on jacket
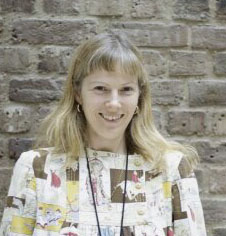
[{"x": 47, "y": 199}]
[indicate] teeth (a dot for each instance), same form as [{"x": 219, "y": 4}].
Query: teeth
[{"x": 111, "y": 117}]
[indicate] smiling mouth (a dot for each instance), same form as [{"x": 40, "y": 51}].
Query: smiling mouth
[{"x": 111, "y": 118}]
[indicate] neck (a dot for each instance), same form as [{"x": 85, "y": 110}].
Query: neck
[{"x": 116, "y": 146}]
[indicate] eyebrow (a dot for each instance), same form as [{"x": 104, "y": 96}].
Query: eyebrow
[{"x": 101, "y": 82}]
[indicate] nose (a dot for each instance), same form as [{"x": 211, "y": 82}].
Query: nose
[{"x": 114, "y": 100}]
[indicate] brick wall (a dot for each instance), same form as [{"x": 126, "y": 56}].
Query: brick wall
[{"x": 184, "y": 46}]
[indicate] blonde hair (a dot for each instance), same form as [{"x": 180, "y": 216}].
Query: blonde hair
[{"x": 64, "y": 128}]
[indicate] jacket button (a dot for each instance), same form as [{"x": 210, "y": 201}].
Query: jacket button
[
  {"x": 138, "y": 186},
  {"x": 137, "y": 162},
  {"x": 140, "y": 212}
]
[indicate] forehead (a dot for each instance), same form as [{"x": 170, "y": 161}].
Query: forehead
[{"x": 111, "y": 77}]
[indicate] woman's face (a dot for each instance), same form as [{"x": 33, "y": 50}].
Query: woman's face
[{"x": 108, "y": 100}]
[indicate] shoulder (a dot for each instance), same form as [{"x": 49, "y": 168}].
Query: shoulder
[
  {"x": 33, "y": 158},
  {"x": 41, "y": 161},
  {"x": 27, "y": 157},
  {"x": 177, "y": 164}
]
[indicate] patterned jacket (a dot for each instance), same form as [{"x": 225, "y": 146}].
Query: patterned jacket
[{"x": 46, "y": 198}]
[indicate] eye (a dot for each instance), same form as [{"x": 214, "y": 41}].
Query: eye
[
  {"x": 100, "y": 88},
  {"x": 127, "y": 89}
]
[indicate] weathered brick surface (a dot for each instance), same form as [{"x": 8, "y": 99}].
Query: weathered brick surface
[
  {"x": 155, "y": 63},
  {"x": 2, "y": 204},
  {"x": 207, "y": 93},
  {"x": 217, "y": 180},
  {"x": 167, "y": 92},
  {"x": 154, "y": 35},
  {"x": 210, "y": 37},
  {"x": 219, "y": 232},
  {"x": 5, "y": 161},
  {"x": 19, "y": 145},
  {"x": 26, "y": 6},
  {"x": 215, "y": 211},
  {"x": 3, "y": 149},
  {"x": 43, "y": 111},
  {"x": 217, "y": 123},
  {"x": 5, "y": 177},
  {"x": 221, "y": 11},
  {"x": 1, "y": 26},
  {"x": 34, "y": 90},
  {"x": 15, "y": 119},
  {"x": 220, "y": 64},
  {"x": 14, "y": 60},
  {"x": 38, "y": 115},
  {"x": 105, "y": 8},
  {"x": 150, "y": 9},
  {"x": 202, "y": 180},
  {"x": 4, "y": 90},
  {"x": 62, "y": 32},
  {"x": 52, "y": 59},
  {"x": 187, "y": 63},
  {"x": 186, "y": 123},
  {"x": 69, "y": 7},
  {"x": 157, "y": 116},
  {"x": 211, "y": 152},
  {"x": 184, "y": 50},
  {"x": 191, "y": 9}
]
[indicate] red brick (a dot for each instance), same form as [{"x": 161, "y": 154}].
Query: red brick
[
  {"x": 14, "y": 60},
  {"x": 219, "y": 232},
  {"x": 214, "y": 211},
  {"x": 211, "y": 152},
  {"x": 197, "y": 10},
  {"x": 157, "y": 119},
  {"x": 5, "y": 161},
  {"x": 202, "y": 180},
  {"x": 207, "y": 93},
  {"x": 221, "y": 11},
  {"x": 39, "y": 114},
  {"x": 217, "y": 123},
  {"x": 186, "y": 123},
  {"x": 19, "y": 145},
  {"x": 105, "y": 8},
  {"x": 211, "y": 37},
  {"x": 220, "y": 64},
  {"x": 3, "y": 150},
  {"x": 62, "y": 32},
  {"x": 4, "y": 88},
  {"x": 26, "y": 6},
  {"x": 155, "y": 63},
  {"x": 15, "y": 119},
  {"x": 5, "y": 177},
  {"x": 154, "y": 35},
  {"x": 52, "y": 59},
  {"x": 150, "y": 9},
  {"x": 35, "y": 90},
  {"x": 69, "y": 7},
  {"x": 217, "y": 180},
  {"x": 167, "y": 92},
  {"x": 187, "y": 63},
  {"x": 1, "y": 26}
]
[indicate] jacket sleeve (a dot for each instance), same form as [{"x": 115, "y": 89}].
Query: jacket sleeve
[
  {"x": 188, "y": 219},
  {"x": 20, "y": 209}
]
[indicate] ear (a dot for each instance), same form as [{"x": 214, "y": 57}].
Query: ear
[{"x": 78, "y": 98}]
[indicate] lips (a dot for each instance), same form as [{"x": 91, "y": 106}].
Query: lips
[{"x": 111, "y": 117}]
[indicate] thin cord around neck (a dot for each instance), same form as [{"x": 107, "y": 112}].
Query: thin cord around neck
[{"x": 124, "y": 195}]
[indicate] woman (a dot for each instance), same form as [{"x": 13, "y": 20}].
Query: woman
[{"x": 100, "y": 167}]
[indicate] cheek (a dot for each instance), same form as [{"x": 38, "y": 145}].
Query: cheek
[
  {"x": 132, "y": 103},
  {"x": 91, "y": 109},
  {"x": 90, "y": 103}
]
